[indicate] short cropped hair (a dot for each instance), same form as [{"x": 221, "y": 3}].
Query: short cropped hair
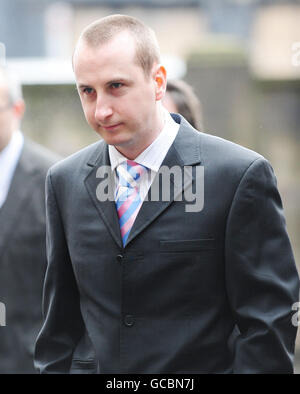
[
  {"x": 12, "y": 85},
  {"x": 103, "y": 30},
  {"x": 186, "y": 101}
]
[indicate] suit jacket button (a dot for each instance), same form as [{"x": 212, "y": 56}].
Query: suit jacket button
[
  {"x": 119, "y": 258},
  {"x": 128, "y": 320}
]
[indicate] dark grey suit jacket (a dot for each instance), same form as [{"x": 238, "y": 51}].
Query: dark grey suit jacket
[
  {"x": 170, "y": 300},
  {"x": 23, "y": 258}
]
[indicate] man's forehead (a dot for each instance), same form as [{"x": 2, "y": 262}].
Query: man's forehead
[
  {"x": 122, "y": 44},
  {"x": 3, "y": 86},
  {"x": 3, "y": 82},
  {"x": 94, "y": 64}
]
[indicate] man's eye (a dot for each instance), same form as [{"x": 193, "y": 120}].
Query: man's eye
[
  {"x": 88, "y": 91},
  {"x": 116, "y": 85}
]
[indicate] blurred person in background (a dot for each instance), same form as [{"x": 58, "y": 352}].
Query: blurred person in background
[
  {"x": 23, "y": 168},
  {"x": 159, "y": 286},
  {"x": 180, "y": 98}
]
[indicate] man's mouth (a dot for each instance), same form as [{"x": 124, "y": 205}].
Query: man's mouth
[{"x": 110, "y": 127}]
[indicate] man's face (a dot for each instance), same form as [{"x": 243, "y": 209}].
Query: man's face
[
  {"x": 118, "y": 100},
  {"x": 6, "y": 116}
]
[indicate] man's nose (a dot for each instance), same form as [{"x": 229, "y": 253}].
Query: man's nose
[{"x": 103, "y": 111}]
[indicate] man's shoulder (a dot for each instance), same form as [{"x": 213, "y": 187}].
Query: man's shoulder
[
  {"x": 37, "y": 157},
  {"x": 221, "y": 158},
  {"x": 77, "y": 160},
  {"x": 214, "y": 150},
  {"x": 227, "y": 151}
]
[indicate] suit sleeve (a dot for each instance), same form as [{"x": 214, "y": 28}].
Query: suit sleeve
[
  {"x": 63, "y": 325},
  {"x": 261, "y": 276}
]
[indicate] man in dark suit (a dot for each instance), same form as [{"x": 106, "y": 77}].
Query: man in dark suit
[
  {"x": 161, "y": 282},
  {"x": 23, "y": 168}
]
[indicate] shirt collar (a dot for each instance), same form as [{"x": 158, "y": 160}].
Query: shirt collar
[
  {"x": 9, "y": 158},
  {"x": 154, "y": 154},
  {"x": 13, "y": 149}
]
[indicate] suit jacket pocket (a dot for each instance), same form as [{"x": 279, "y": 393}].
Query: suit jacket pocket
[
  {"x": 191, "y": 245},
  {"x": 83, "y": 367}
]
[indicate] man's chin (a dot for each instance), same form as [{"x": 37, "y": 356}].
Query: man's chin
[
  {"x": 112, "y": 138},
  {"x": 117, "y": 142}
]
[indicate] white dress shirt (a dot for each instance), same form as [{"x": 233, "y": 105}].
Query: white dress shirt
[
  {"x": 152, "y": 157},
  {"x": 9, "y": 158}
]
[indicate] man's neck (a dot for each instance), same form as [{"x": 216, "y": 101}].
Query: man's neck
[
  {"x": 131, "y": 152},
  {"x": 6, "y": 141}
]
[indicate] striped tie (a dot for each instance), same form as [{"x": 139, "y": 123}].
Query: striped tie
[{"x": 128, "y": 199}]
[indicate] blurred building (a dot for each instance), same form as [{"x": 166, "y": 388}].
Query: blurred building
[{"x": 267, "y": 30}]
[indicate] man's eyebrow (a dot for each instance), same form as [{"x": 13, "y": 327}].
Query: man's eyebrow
[
  {"x": 82, "y": 85},
  {"x": 118, "y": 79},
  {"x": 113, "y": 80}
]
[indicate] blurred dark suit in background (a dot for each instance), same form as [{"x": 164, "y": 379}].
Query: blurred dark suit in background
[{"x": 23, "y": 168}]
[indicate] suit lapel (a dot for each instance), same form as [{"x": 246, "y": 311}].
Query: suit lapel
[
  {"x": 20, "y": 189},
  {"x": 101, "y": 172},
  {"x": 185, "y": 151}
]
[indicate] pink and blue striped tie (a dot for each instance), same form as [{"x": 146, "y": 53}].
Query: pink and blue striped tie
[{"x": 128, "y": 199}]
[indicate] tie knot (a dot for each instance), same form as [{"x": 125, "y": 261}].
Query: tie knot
[{"x": 129, "y": 173}]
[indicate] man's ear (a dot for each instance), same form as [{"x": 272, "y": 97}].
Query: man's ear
[
  {"x": 19, "y": 109},
  {"x": 160, "y": 82}
]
